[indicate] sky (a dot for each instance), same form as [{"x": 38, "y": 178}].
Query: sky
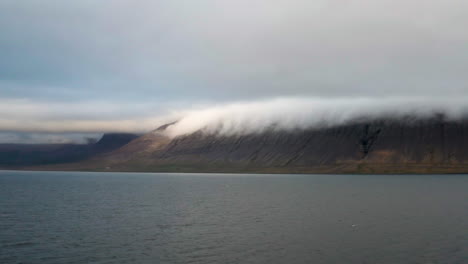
[{"x": 93, "y": 66}]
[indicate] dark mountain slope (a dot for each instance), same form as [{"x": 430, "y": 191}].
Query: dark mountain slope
[
  {"x": 23, "y": 155},
  {"x": 387, "y": 146}
]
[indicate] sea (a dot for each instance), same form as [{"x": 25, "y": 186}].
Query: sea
[{"x": 84, "y": 217}]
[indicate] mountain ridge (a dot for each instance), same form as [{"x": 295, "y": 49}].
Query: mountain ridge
[
  {"x": 427, "y": 145},
  {"x": 410, "y": 145},
  {"x": 17, "y": 156}
]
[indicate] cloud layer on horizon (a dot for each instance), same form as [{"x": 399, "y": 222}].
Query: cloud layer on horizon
[
  {"x": 63, "y": 122},
  {"x": 88, "y": 117},
  {"x": 47, "y": 138}
]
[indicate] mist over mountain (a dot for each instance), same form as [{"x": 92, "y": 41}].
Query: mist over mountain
[
  {"x": 290, "y": 114},
  {"x": 387, "y": 135},
  {"x": 223, "y": 71},
  {"x": 433, "y": 143}
]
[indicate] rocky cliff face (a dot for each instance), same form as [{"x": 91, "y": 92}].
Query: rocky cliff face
[{"x": 432, "y": 145}]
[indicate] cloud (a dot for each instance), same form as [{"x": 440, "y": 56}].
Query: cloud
[
  {"x": 51, "y": 121},
  {"x": 300, "y": 113},
  {"x": 30, "y": 116},
  {"x": 131, "y": 65},
  {"x": 47, "y": 138},
  {"x": 223, "y": 50}
]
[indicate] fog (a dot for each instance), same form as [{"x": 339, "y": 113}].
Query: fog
[
  {"x": 47, "y": 138},
  {"x": 23, "y": 121},
  {"x": 301, "y": 113}
]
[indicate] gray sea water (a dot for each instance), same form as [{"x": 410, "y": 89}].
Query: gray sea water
[{"x": 67, "y": 217}]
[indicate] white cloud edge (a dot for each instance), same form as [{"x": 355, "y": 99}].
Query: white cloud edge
[{"x": 228, "y": 118}]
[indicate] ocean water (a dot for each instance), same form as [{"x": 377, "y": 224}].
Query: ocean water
[{"x": 68, "y": 217}]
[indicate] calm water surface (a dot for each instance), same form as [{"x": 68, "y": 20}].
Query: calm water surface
[{"x": 219, "y": 218}]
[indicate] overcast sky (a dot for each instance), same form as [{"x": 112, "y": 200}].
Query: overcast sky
[{"x": 106, "y": 61}]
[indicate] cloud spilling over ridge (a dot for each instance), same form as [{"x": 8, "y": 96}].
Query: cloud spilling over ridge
[
  {"x": 301, "y": 113},
  {"x": 242, "y": 117}
]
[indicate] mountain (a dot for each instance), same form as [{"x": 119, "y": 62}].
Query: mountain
[
  {"x": 405, "y": 145},
  {"x": 410, "y": 145},
  {"x": 25, "y": 155}
]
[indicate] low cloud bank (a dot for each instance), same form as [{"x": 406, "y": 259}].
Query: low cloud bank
[
  {"x": 302, "y": 113},
  {"x": 18, "y": 115},
  {"x": 48, "y": 138},
  {"x": 227, "y": 119}
]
